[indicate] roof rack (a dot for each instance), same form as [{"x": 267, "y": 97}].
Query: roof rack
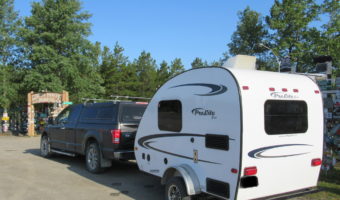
[
  {"x": 128, "y": 97},
  {"x": 116, "y": 99},
  {"x": 94, "y": 100}
]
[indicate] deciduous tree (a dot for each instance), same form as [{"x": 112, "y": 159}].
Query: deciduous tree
[
  {"x": 249, "y": 34},
  {"x": 289, "y": 19}
]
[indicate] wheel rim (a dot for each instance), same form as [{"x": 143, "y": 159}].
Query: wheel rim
[
  {"x": 44, "y": 146},
  {"x": 174, "y": 193},
  {"x": 92, "y": 158}
]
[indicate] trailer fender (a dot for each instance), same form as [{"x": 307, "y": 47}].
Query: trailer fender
[{"x": 189, "y": 176}]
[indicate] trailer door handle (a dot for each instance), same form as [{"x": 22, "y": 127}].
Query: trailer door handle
[{"x": 195, "y": 158}]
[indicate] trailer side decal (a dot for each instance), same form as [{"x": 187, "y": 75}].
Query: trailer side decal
[
  {"x": 145, "y": 143},
  {"x": 215, "y": 89},
  {"x": 258, "y": 153}
]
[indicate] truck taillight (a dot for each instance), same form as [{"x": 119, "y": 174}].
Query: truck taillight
[
  {"x": 116, "y": 136},
  {"x": 316, "y": 162},
  {"x": 250, "y": 171}
]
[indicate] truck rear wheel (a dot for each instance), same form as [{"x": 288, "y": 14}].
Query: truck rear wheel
[
  {"x": 93, "y": 158},
  {"x": 175, "y": 189}
]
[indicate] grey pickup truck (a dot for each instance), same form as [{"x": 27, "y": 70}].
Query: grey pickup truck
[{"x": 100, "y": 131}]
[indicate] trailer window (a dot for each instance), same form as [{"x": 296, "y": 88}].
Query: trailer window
[
  {"x": 170, "y": 116},
  {"x": 285, "y": 117}
]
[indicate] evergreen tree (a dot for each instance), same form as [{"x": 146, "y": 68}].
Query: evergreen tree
[
  {"x": 146, "y": 72},
  {"x": 176, "y": 67},
  {"x": 216, "y": 63},
  {"x": 163, "y": 73},
  {"x": 9, "y": 52},
  {"x": 112, "y": 70},
  {"x": 197, "y": 63},
  {"x": 61, "y": 58},
  {"x": 130, "y": 84}
]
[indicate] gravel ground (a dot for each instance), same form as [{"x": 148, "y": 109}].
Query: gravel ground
[{"x": 26, "y": 175}]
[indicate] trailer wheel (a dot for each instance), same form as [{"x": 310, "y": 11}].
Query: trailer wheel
[
  {"x": 175, "y": 189},
  {"x": 93, "y": 158},
  {"x": 45, "y": 147}
]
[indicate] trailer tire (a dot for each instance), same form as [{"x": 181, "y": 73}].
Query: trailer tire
[
  {"x": 45, "y": 147},
  {"x": 175, "y": 189},
  {"x": 93, "y": 158}
]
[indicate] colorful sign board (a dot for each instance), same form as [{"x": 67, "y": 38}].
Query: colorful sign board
[{"x": 46, "y": 98}]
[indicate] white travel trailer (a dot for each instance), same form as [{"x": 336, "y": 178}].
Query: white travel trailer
[{"x": 233, "y": 133}]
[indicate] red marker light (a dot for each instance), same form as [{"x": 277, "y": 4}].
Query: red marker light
[
  {"x": 272, "y": 89},
  {"x": 284, "y": 90},
  {"x": 316, "y": 162},
  {"x": 245, "y": 87},
  {"x": 295, "y": 90},
  {"x": 316, "y": 91},
  {"x": 249, "y": 171},
  {"x": 234, "y": 171}
]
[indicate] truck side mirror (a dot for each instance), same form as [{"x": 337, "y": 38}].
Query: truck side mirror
[
  {"x": 51, "y": 121},
  {"x": 62, "y": 121}
]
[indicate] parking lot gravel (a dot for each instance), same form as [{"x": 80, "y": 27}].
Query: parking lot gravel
[{"x": 24, "y": 174}]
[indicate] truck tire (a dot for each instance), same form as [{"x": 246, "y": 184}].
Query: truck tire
[
  {"x": 93, "y": 158},
  {"x": 45, "y": 147},
  {"x": 175, "y": 189}
]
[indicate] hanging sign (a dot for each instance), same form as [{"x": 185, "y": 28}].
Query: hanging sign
[{"x": 46, "y": 98}]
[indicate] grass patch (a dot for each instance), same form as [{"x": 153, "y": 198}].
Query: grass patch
[{"x": 329, "y": 184}]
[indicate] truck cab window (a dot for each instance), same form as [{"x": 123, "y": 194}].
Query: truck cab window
[
  {"x": 74, "y": 113},
  {"x": 63, "y": 116},
  {"x": 285, "y": 117},
  {"x": 170, "y": 115}
]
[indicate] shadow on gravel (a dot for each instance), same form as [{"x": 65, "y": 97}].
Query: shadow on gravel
[{"x": 124, "y": 177}]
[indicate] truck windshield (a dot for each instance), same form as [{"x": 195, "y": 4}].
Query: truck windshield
[
  {"x": 285, "y": 117},
  {"x": 132, "y": 113}
]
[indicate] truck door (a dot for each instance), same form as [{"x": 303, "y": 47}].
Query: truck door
[
  {"x": 57, "y": 130},
  {"x": 70, "y": 128}
]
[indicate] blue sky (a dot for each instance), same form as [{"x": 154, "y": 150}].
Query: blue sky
[{"x": 168, "y": 29}]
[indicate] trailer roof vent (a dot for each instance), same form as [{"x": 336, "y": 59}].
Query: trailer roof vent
[{"x": 241, "y": 62}]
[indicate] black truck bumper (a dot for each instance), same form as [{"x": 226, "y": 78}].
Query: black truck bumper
[{"x": 124, "y": 155}]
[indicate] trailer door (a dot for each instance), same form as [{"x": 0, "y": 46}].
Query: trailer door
[{"x": 283, "y": 152}]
